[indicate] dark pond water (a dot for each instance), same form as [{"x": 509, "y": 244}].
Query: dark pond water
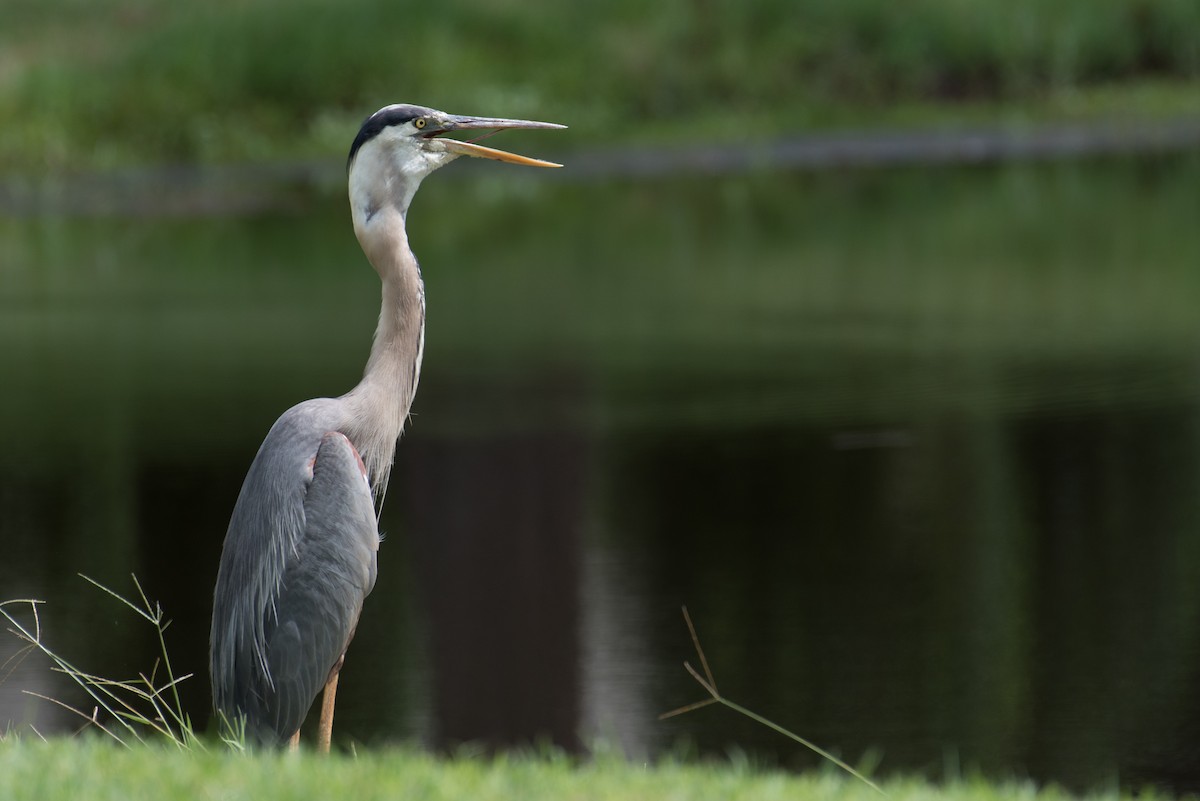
[{"x": 920, "y": 450}]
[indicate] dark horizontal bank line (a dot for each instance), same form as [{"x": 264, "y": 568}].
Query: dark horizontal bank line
[
  {"x": 239, "y": 189},
  {"x": 869, "y": 149}
]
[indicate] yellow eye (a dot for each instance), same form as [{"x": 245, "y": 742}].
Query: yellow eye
[{"x": 419, "y": 123}]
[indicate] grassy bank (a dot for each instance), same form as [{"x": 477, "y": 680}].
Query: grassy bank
[
  {"x": 129, "y": 81},
  {"x": 67, "y": 769}
]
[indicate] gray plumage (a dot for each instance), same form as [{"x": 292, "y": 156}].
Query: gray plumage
[
  {"x": 300, "y": 554},
  {"x": 290, "y": 612}
]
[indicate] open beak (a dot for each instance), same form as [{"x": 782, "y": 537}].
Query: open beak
[{"x": 492, "y": 124}]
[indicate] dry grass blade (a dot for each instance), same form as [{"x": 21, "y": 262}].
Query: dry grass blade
[
  {"x": 140, "y": 611},
  {"x": 709, "y": 683},
  {"x": 137, "y": 707},
  {"x": 14, "y": 660},
  {"x": 712, "y": 683},
  {"x": 92, "y": 718},
  {"x": 689, "y": 707}
]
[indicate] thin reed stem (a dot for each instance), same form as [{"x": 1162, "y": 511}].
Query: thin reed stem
[{"x": 709, "y": 683}]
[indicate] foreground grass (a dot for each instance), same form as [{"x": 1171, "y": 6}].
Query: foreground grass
[{"x": 69, "y": 769}]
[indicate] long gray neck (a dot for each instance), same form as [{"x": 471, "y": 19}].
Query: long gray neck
[{"x": 378, "y": 406}]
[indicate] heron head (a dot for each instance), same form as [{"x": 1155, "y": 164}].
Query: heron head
[{"x": 399, "y": 145}]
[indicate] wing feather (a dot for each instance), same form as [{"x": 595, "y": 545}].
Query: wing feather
[{"x": 299, "y": 558}]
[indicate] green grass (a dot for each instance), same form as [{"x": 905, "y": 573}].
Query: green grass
[
  {"x": 70, "y": 769},
  {"x": 127, "y": 81}
]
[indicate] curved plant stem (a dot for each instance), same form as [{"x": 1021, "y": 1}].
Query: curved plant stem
[{"x": 709, "y": 683}]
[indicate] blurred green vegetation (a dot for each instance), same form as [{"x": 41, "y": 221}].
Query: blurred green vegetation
[{"x": 96, "y": 83}]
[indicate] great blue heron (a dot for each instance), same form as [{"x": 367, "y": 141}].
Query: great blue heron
[{"x": 300, "y": 553}]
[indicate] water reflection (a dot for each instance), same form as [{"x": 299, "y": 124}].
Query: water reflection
[
  {"x": 497, "y": 524},
  {"x": 918, "y": 449}
]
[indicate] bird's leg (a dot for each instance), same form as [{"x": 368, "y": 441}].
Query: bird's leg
[
  {"x": 325, "y": 732},
  {"x": 294, "y": 741}
]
